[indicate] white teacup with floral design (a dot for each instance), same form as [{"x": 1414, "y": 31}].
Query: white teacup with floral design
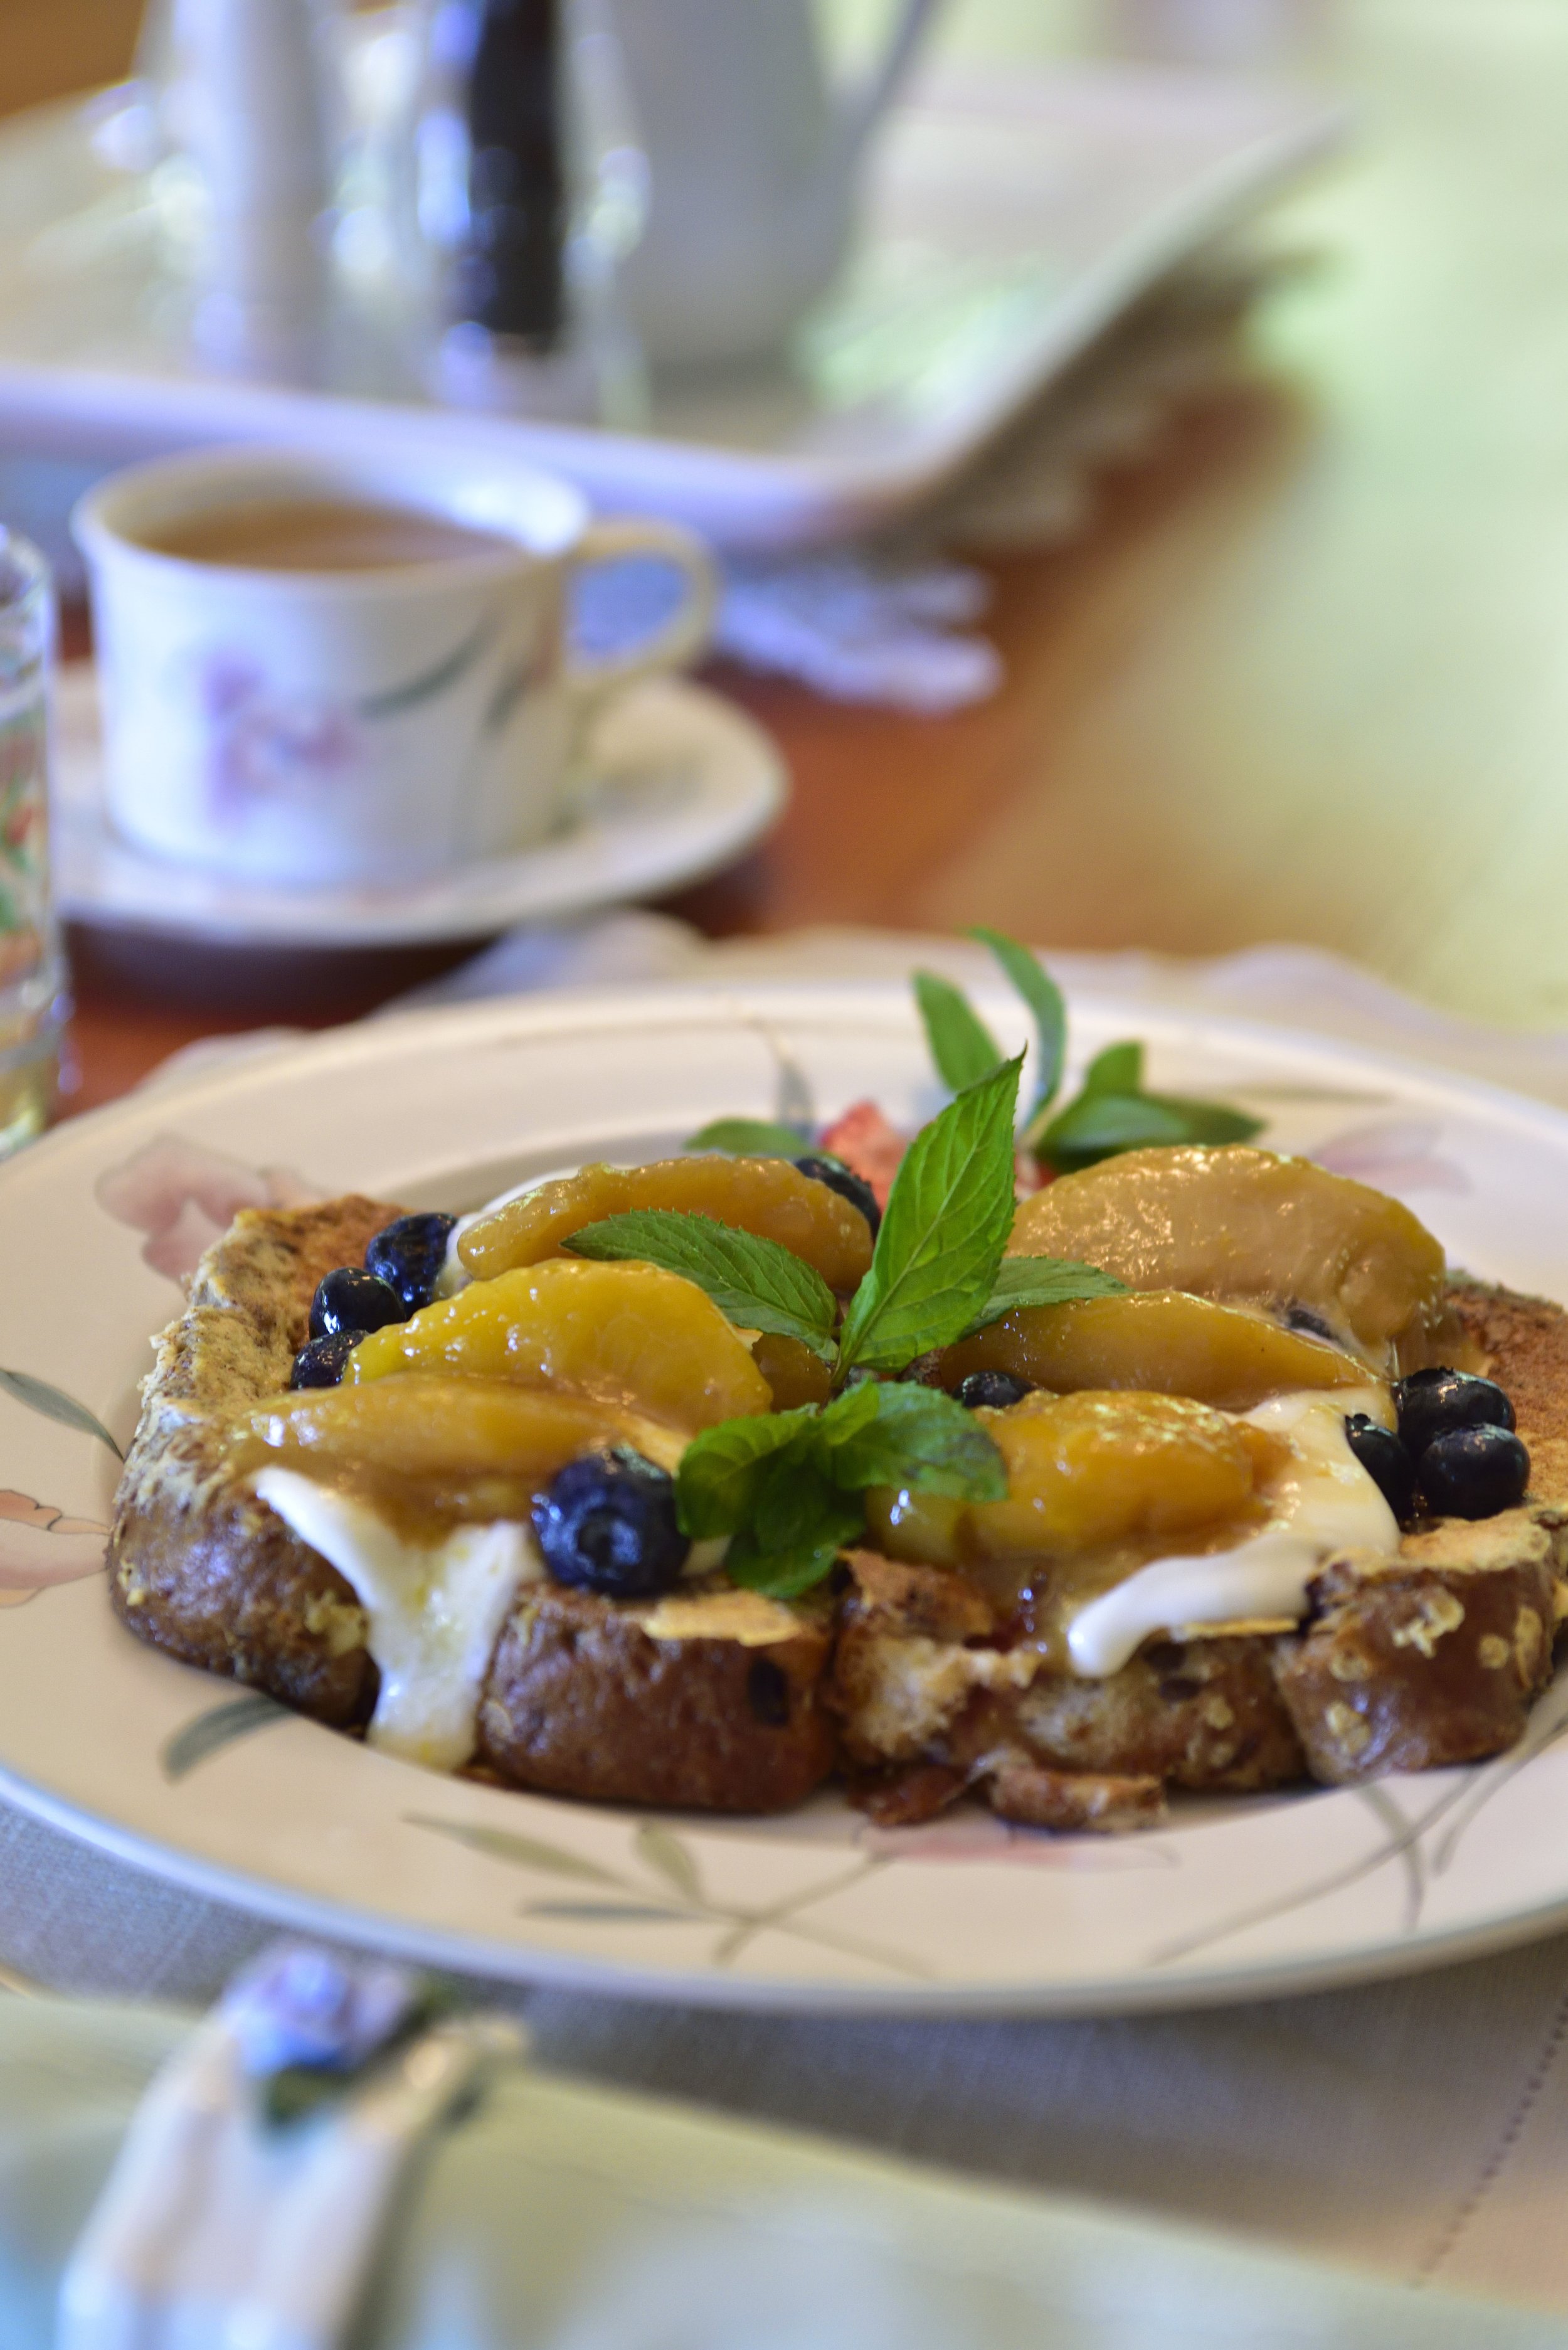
[{"x": 371, "y": 726}]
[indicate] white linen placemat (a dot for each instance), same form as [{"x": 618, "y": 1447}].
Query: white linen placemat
[
  {"x": 1418, "y": 2128},
  {"x": 561, "y": 2216}
]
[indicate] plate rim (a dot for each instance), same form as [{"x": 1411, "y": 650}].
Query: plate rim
[{"x": 717, "y": 1002}]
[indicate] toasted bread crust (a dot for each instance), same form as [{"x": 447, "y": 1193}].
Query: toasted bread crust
[
  {"x": 578, "y": 1700},
  {"x": 916, "y": 1682},
  {"x": 1436, "y": 1657},
  {"x": 582, "y": 1701},
  {"x": 1430, "y": 1658},
  {"x": 197, "y": 1565}
]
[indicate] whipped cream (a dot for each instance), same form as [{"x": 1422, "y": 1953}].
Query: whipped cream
[
  {"x": 435, "y": 1609},
  {"x": 1322, "y": 1502}
]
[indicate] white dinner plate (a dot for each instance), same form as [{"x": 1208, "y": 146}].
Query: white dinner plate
[
  {"x": 218, "y": 1789},
  {"x": 681, "y": 782}
]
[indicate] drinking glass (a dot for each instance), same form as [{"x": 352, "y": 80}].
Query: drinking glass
[{"x": 34, "y": 1003}]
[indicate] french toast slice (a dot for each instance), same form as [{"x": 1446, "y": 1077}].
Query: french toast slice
[
  {"x": 580, "y": 1698},
  {"x": 1429, "y": 1658}
]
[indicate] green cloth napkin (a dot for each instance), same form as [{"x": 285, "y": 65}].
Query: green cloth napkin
[{"x": 562, "y": 2217}]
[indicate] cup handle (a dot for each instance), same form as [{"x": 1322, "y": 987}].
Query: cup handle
[{"x": 681, "y": 639}]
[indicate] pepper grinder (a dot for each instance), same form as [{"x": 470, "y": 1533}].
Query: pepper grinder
[
  {"x": 508, "y": 275},
  {"x": 530, "y": 191}
]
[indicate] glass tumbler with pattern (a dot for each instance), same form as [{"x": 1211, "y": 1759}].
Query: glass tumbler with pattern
[{"x": 34, "y": 999}]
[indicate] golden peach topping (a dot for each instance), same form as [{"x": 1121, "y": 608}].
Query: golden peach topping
[
  {"x": 429, "y": 1449},
  {"x": 1241, "y": 1224},
  {"x": 1163, "y": 1342},
  {"x": 794, "y": 1375},
  {"x": 630, "y": 1334},
  {"x": 765, "y": 1196},
  {"x": 1088, "y": 1473}
]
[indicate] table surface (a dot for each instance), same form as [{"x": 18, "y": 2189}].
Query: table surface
[{"x": 1305, "y": 679}]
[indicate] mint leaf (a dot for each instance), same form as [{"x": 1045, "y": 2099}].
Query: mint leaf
[
  {"x": 919, "y": 1436},
  {"x": 1098, "y": 1126},
  {"x": 721, "y": 1470},
  {"x": 946, "y": 1224},
  {"x": 1210, "y": 1121},
  {"x": 848, "y": 1413},
  {"x": 785, "y": 1574},
  {"x": 799, "y": 1521},
  {"x": 750, "y": 1138},
  {"x": 962, "y": 1046},
  {"x": 1043, "y": 997},
  {"x": 1117, "y": 1070},
  {"x": 1042, "y": 1281},
  {"x": 754, "y": 1282}
]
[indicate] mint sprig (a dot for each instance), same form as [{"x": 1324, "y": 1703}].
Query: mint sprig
[
  {"x": 789, "y": 1488},
  {"x": 1039, "y": 992},
  {"x": 1112, "y": 1112},
  {"x": 722, "y": 1471},
  {"x": 1042, "y": 1281},
  {"x": 750, "y": 1138},
  {"x": 756, "y": 1282},
  {"x": 962, "y": 1046},
  {"x": 946, "y": 1221}
]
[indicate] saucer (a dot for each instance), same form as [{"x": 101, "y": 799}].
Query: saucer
[{"x": 681, "y": 783}]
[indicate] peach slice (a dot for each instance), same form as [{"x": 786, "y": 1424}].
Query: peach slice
[
  {"x": 1244, "y": 1223},
  {"x": 794, "y": 1374},
  {"x": 1162, "y": 1341},
  {"x": 765, "y": 1196},
  {"x": 1086, "y": 1472},
  {"x": 427, "y": 1450},
  {"x": 631, "y": 1335},
  {"x": 427, "y": 1426}
]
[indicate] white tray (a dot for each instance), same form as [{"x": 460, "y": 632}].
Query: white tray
[{"x": 1012, "y": 212}]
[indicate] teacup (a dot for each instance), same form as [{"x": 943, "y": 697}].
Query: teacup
[{"x": 349, "y": 720}]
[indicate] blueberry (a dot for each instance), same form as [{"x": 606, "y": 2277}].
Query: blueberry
[
  {"x": 606, "y": 1524},
  {"x": 997, "y": 1389},
  {"x": 354, "y": 1301},
  {"x": 1385, "y": 1462},
  {"x": 319, "y": 1364},
  {"x": 409, "y": 1255},
  {"x": 848, "y": 1186},
  {"x": 1432, "y": 1403},
  {"x": 1473, "y": 1472}
]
